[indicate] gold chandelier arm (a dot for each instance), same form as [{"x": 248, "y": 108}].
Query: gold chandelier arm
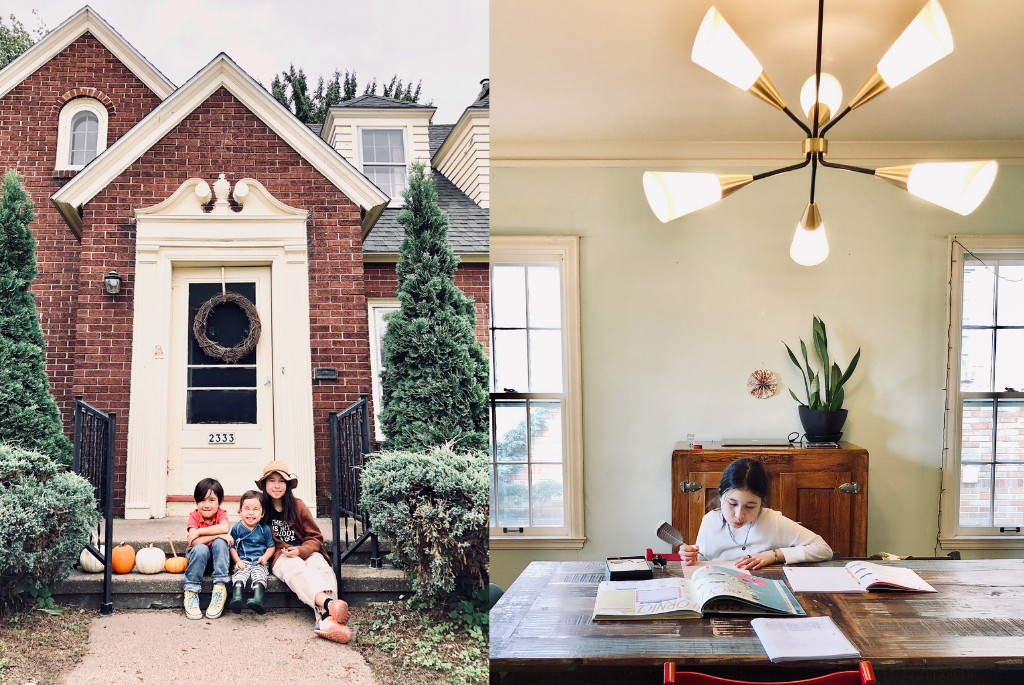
[
  {"x": 896, "y": 175},
  {"x": 766, "y": 90},
  {"x": 872, "y": 88}
]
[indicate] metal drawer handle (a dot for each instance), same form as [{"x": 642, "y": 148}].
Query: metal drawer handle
[
  {"x": 851, "y": 488},
  {"x": 690, "y": 486}
]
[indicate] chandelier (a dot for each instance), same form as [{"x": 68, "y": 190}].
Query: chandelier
[{"x": 957, "y": 186}]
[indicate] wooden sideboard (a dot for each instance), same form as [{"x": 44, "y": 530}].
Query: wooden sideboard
[{"x": 826, "y": 490}]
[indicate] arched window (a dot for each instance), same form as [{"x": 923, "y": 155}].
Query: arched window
[{"x": 81, "y": 133}]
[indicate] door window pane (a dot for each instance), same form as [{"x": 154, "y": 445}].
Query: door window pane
[
  {"x": 545, "y": 296},
  {"x": 213, "y": 377},
  {"x": 978, "y": 292},
  {"x": 221, "y": 406},
  {"x": 976, "y": 360},
  {"x": 975, "y": 495},
  {"x": 976, "y": 431}
]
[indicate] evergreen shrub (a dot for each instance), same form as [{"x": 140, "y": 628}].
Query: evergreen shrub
[
  {"x": 432, "y": 506},
  {"x": 46, "y": 515}
]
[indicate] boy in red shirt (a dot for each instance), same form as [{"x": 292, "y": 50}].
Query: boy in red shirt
[{"x": 208, "y": 542}]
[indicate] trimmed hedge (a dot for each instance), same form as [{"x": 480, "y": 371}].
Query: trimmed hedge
[
  {"x": 432, "y": 506},
  {"x": 46, "y": 515}
]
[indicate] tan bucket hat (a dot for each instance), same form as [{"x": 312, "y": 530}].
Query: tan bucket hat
[{"x": 280, "y": 468}]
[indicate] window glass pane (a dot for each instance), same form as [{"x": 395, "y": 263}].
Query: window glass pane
[
  {"x": 510, "y": 361},
  {"x": 1011, "y": 294},
  {"x": 976, "y": 361},
  {"x": 975, "y": 495},
  {"x": 513, "y": 495},
  {"x": 510, "y": 426},
  {"x": 84, "y": 129},
  {"x": 380, "y": 328},
  {"x": 976, "y": 431},
  {"x": 978, "y": 292},
  {"x": 492, "y": 509},
  {"x": 369, "y": 150},
  {"x": 221, "y": 406},
  {"x": 215, "y": 377},
  {"x": 1010, "y": 431},
  {"x": 545, "y": 430},
  {"x": 383, "y": 146},
  {"x": 1009, "y": 360},
  {"x": 547, "y": 495},
  {"x": 545, "y": 296},
  {"x": 508, "y": 295},
  {"x": 1009, "y": 495},
  {"x": 390, "y": 179},
  {"x": 545, "y": 361},
  {"x": 396, "y": 147},
  {"x": 228, "y": 325}
]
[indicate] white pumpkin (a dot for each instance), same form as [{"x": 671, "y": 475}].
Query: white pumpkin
[
  {"x": 150, "y": 560},
  {"x": 89, "y": 563}
]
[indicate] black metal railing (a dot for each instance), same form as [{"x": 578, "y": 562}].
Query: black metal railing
[
  {"x": 94, "y": 461},
  {"x": 350, "y": 443}
]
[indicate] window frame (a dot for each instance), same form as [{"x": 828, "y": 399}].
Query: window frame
[
  {"x": 67, "y": 115},
  {"x": 376, "y": 363},
  {"x": 565, "y": 250},
  {"x": 951, "y": 534},
  {"x": 406, "y": 146}
]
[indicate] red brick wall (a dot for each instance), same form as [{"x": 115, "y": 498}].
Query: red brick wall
[
  {"x": 222, "y": 136},
  {"x": 28, "y": 141}
]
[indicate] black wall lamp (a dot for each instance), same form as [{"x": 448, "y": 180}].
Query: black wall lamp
[{"x": 112, "y": 283}]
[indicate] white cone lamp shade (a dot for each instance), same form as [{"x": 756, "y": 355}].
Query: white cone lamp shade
[
  {"x": 923, "y": 43},
  {"x": 674, "y": 194},
  {"x": 830, "y": 94},
  {"x": 957, "y": 186},
  {"x": 810, "y": 246},
  {"x": 718, "y": 49}
]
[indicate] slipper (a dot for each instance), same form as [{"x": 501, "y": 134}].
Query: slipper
[
  {"x": 331, "y": 630},
  {"x": 338, "y": 610}
]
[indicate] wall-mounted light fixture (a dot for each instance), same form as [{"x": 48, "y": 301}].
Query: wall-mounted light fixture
[{"x": 112, "y": 283}]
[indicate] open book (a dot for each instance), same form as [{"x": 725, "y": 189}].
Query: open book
[
  {"x": 712, "y": 589},
  {"x": 856, "y": 576}
]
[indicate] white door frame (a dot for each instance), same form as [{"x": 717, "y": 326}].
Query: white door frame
[{"x": 178, "y": 232}]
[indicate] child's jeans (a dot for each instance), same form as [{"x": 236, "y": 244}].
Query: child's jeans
[{"x": 199, "y": 559}]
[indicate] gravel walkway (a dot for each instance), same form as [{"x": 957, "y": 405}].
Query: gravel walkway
[{"x": 165, "y": 648}]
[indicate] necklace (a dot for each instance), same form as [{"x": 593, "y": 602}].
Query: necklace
[{"x": 750, "y": 527}]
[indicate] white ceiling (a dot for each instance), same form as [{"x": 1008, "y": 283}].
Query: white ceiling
[{"x": 611, "y": 79}]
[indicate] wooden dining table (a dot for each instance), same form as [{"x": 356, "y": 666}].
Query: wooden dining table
[{"x": 970, "y": 631}]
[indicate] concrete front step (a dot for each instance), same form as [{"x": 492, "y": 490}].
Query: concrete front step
[{"x": 359, "y": 586}]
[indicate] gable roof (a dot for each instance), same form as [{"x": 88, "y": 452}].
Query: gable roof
[
  {"x": 380, "y": 102},
  {"x": 436, "y": 133},
  {"x": 221, "y": 72},
  {"x": 468, "y": 226},
  {"x": 85, "y": 20},
  {"x": 479, "y": 108}
]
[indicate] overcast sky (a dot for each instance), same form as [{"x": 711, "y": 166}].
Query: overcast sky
[{"x": 441, "y": 42}]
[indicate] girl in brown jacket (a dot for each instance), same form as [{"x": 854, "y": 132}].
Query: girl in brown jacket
[{"x": 300, "y": 559}]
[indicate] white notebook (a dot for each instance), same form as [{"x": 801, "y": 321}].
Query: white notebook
[
  {"x": 856, "y": 576},
  {"x": 797, "y": 639}
]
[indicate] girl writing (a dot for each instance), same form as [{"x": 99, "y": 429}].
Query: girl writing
[
  {"x": 745, "y": 530},
  {"x": 299, "y": 559}
]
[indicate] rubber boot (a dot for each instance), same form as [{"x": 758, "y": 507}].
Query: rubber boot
[
  {"x": 256, "y": 601},
  {"x": 236, "y": 598}
]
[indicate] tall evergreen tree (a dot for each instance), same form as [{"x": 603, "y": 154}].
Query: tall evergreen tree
[
  {"x": 29, "y": 417},
  {"x": 434, "y": 382}
]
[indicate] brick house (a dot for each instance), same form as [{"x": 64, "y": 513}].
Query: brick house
[{"x": 213, "y": 185}]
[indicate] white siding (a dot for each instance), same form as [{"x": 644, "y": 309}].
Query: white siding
[{"x": 465, "y": 156}]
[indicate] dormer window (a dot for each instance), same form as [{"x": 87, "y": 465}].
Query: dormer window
[
  {"x": 383, "y": 155},
  {"x": 81, "y": 133}
]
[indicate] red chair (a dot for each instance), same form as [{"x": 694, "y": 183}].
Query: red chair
[{"x": 863, "y": 676}]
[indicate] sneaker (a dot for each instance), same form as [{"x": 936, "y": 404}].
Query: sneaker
[
  {"x": 192, "y": 609},
  {"x": 217, "y": 601},
  {"x": 329, "y": 629},
  {"x": 338, "y": 610}
]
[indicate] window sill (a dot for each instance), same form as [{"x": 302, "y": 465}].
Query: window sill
[
  {"x": 982, "y": 542},
  {"x": 537, "y": 542}
]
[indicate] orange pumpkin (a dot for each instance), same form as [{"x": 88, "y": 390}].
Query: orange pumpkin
[
  {"x": 123, "y": 558},
  {"x": 175, "y": 564}
]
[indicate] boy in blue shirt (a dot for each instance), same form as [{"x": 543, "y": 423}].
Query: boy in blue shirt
[{"x": 254, "y": 545}]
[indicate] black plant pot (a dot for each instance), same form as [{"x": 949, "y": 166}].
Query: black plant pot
[{"x": 822, "y": 426}]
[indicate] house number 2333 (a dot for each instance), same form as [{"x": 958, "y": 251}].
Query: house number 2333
[{"x": 222, "y": 437}]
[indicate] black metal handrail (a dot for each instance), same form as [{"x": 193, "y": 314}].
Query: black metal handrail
[
  {"x": 350, "y": 443},
  {"x": 94, "y": 460}
]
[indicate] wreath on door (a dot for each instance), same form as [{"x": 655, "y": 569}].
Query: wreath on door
[{"x": 215, "y": 350}]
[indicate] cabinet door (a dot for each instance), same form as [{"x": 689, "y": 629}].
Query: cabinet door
[
  {"x": 702, "y": 501},
  {"x": 814, "y": 500}
]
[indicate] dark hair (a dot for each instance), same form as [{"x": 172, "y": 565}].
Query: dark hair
[
  {"x": 250, "y": 494},
  {"x": 205, "y": 486},
  {"x": 745, "y": 474},
  {"x": 287, "y": 500}
]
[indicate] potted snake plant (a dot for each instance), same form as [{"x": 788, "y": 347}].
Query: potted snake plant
[{"x": 822, "y": 415}]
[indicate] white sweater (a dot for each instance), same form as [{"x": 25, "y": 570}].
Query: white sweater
[{"x": 770, "y": 531}]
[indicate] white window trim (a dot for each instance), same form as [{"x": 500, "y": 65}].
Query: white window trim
[
  {"x": 951, "y": 536},
  {"x": 406, "y": 143},
  {"x": 566, "y": 250},
  {"x": 67, "y": 115},
  {"x": 376, "y": 364}
]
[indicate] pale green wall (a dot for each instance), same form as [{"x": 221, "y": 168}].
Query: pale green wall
[{"x": 676, "y": 316}]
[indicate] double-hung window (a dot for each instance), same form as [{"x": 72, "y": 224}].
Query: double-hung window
[
  {"x": 536, "y": 465},
  {"x": 983, "y": 489},
  {"x": 383, "y": 155}
]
